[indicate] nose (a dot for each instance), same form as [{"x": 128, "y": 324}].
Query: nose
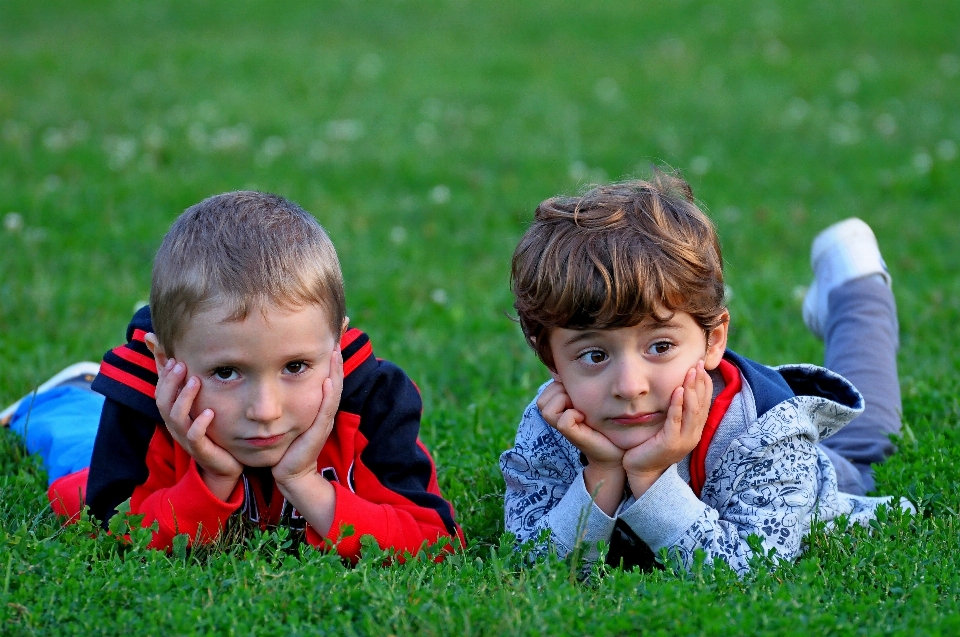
[
  {"x": 631, "y": 379},
  {"x": 264, "y": 404}
]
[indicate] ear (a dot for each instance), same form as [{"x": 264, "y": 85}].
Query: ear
[
  {"x": 153, "y": 344},
  {"x": 717, "y": 342},
  {"x": 344, "y": 327}
]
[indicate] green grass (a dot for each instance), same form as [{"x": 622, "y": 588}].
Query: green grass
[{"x": 422, "y": 135}]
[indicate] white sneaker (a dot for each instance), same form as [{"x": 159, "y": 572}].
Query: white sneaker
[
  {"x": 83, "y": 372},
  {"x": 842, "y": 252}
]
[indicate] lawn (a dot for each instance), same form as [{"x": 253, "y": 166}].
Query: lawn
[{"x": 422, "y": 134}]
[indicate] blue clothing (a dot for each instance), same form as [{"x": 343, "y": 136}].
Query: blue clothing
[{"x": 60, "y": 424}]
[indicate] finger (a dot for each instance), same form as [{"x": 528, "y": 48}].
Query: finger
[
  {"x": 180, "y": 411},
  {"x": 198, "y": 428},
  {"x": 704, "y": 385},
  {"x": 558, "y": 404},
  {"x": 552, "y": 391},
  {"x": 673, "y": 424},
  {"x": 169, "y": 380},
  {"x": 569, "y": 419}
]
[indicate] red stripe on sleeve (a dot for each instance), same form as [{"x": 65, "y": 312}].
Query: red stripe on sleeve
[
  {"x": 351, "y": 335},
  {"x": 698, "y": 470},
  {"x": 354, "y": 361},
  {"x": 128, "y": 379},
  {"x": 136, "y": 358},
  {"x": 140, "y": 335}
]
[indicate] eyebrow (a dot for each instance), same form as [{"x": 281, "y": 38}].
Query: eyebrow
[{"x": 588, "y": 334}]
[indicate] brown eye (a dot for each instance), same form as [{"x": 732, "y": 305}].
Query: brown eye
[
  {"x": 594, "y": 356},
  {"x": 224, "y": 373},
  {"x": 661, "y": 347},
  {"x": 295, "y": 367}
]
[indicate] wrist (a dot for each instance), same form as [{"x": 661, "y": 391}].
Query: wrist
[
  {"x": 220, "y": 485},
  {"x": 641, "y": 481},
  {"x": 605, "y": 485},
  {"x": 314, "y": 497}
]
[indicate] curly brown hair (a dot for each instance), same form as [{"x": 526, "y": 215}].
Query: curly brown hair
[{"x": 614, "y": 256}]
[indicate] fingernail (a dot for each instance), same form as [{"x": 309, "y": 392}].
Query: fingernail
[
  {"x": 192, "y": 382},
  {"x": 168, "y": 364},
  {"x": 178, "y": 368}
]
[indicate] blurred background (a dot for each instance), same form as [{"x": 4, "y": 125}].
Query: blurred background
[{"x": 423, "y": 134}]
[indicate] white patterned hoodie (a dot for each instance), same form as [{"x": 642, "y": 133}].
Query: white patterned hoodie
[{"x": 765, "y": 475}]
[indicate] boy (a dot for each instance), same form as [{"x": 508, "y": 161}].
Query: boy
[
  {"x": 241, "y": 390},
  {"x": 652, "y": 434}
]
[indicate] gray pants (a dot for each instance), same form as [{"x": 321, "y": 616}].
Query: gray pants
[{"x": 861, "y": 341}]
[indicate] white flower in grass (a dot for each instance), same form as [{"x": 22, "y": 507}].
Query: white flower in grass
[
  {"x": 922, "y": 162},
  {"x": 398, "y": 234},
  {"x": 700, "y": 165},
  {"x": 607, "y": 90},
  {"x": 844, "y": 134},
  {"x": 271, "y": 148},
  {"x": 440, "y": 194},
  {"x": 577, "y": 170},
  {"x": 369, "y": 66},
  {"x": 13, "y": 222},
  {"x": 154, "y": 138},
  {"x": 56, "y": 140},
  {"x": 731, "y": 214},
  {"x": 230, "y": 138},
  {"x": 947, "y": 150},
  {"x": 797, "y": 111},
  {"x": 949, "y": 64},
  {"x": 847, "y": 82},
  {"x": 51, "y": 183},
  {"x": 426, "y": 134},
  {"x": 439, "y": 296},
  {"x": 345, "y": 130},
  {"x": 120, "y": 151},
  {"x": 886, "y": 124}
]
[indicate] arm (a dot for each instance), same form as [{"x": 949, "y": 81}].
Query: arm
[
  {"x": 546, "y": 489},
  {"x": 118, "y": 463},
  {"x": 176, "y": 497},
  {"x": 392, "y": 491},
  {"x": 767, "y": 483}
]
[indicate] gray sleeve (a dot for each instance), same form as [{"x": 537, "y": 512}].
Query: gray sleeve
[
  {"x": 545, "y": 490},
  {"x": 766, "y": 486}
]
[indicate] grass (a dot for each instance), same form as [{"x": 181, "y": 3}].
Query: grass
[{"x": 422, "y": 135}]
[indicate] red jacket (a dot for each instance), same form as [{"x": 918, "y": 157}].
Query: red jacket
[{"x": 384, "y": 477}]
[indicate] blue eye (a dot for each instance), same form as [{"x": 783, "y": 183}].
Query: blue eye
[{"x": 593, "y": 357}]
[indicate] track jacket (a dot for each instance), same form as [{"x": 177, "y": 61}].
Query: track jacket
[
  {"x": 758, "y": 470},
  {"x": 385, "y": 480}
]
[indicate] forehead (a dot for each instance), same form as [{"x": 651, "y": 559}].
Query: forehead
[
  {"x": 678, "y": 324},
  {"x": 288, "y": 327}
]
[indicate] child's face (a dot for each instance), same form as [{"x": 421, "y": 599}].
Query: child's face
[
  {"x": 261, "y": 376},
  {"x": 622, "y": 379}
]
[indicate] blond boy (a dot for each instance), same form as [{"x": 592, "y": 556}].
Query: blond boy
[{"x": 242, "y": 392}]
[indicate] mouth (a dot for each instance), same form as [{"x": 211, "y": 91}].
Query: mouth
[
  {"x": 263, "y": 442},
  {"x": 638, "y": 419}
]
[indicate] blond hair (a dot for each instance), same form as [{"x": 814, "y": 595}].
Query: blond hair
[
  {"x": 243, "y": 250},
  {"x": 613, "y": 257}
]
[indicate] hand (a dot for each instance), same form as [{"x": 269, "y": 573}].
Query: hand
[
  {"x": 300, "y": 458},
  {"x": 559, "y": 412},
  {"x": 686, "y": 417},
  {"x": 174, "y": 401}
]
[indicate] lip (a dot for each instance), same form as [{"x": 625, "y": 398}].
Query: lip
[
  {"x": 264, "y": 442},
  {"x": 637, "y": 419}
]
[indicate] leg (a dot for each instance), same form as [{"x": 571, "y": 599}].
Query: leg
[
  {"x": 861, "y": 340},
  {"x": 851, "y": 306}
]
